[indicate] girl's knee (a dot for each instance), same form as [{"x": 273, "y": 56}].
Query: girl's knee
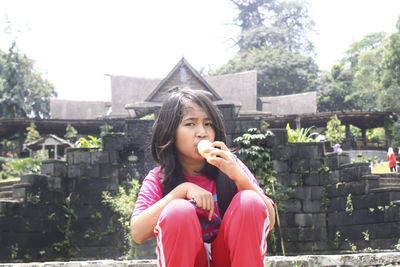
[
  {"x": 179, "y": 210},
  {"x": 249, "y": 200}
]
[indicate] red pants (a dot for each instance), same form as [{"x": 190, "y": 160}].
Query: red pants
[{"x": 241, "y": 240}]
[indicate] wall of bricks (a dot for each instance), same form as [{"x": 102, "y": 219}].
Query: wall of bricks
[{"x": 60, "y": 213}]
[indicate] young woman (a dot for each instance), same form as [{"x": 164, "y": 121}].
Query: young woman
[
  {"x": 192, "y": 204},
  {"x": 391, "y": 157}
]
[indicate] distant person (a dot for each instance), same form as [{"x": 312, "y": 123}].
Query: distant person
[
  {"x": 337, "y": 148},
  {"x": 391, "y": 157}
]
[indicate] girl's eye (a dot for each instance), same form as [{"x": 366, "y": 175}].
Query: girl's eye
[
  {"x": 189, "y": 124},
  {"x": 208, "y": 124}
]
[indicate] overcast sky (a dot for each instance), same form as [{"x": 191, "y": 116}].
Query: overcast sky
[{"x": 77, "y": 42}]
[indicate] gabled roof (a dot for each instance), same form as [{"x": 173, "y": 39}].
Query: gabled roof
[
  {"x": 45, "y": 139},
  {"x": 182, "y": 66}
]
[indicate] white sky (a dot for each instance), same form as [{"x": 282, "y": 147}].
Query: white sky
[{"x": 76, "y": 42}]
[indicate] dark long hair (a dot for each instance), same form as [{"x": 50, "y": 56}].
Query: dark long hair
[{"x": 164, "y": 129}]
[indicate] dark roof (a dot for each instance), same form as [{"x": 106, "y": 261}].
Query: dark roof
[
  {"x": 361, "y": 119},
  {"x": 9, "y": 127},
  {"x": 182, "y": 63},
  {"x": 72, "y": 109}
]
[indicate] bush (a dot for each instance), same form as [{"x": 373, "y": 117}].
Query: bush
[{"x": 13, "y": 168}]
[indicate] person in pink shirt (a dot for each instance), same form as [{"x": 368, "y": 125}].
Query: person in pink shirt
[{"x": 204, "y": 209}]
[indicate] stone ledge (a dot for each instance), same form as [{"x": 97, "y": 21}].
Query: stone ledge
[{"x": 361, "y": 259}]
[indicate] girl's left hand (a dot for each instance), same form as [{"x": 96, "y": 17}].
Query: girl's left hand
[{"x": 222, "y": 158}]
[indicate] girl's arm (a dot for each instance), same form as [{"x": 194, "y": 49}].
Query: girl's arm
[
  {"x": 226, "y": 162},
  {"x": 142, "y": 225}
]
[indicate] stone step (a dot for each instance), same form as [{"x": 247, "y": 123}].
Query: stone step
[
  {"x": 389, "y": 181},
  {"x": 360, "y": 259},
  {"x": 6, "y": 188},
  {"x": 6, "y": 194}
]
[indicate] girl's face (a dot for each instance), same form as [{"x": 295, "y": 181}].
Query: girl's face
[{"x": 194, "y": 127}]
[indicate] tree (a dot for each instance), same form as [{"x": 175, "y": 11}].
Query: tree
[
  {"x": 32, "y": 134},
  {"x": 23, "y": 91},
  {"x": 280, "y": 72},
  {"x": 334, "y": 132},
  {"x": 70, "y": 134},
  {"x": 333, "y": 89},
  {"x": 271, "y": 24},
  {"x": 252, "y": 12}
]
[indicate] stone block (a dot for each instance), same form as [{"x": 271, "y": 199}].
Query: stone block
[
  {"x": 335, "y": 218},
  {"x": 99, "y": 157},
  {"x": 287, "y": 219},
  {"x": 114, "y": 157},
  {"x": 316, "y": 164},
  {"x": 54, "y": 168},
  {"x": 300, "y": 166},
  {"x": 74, "y": 171},
  {"x": 109, "y": 170},
  {"x": 82, "y": 157},
  {"x": 316, "y": 192},
  {"x": 291, "y": 205},
  {"x": 288, "y": 179},
  {"x": 312, "y": 206},
  {"x": 315, "y": 179},
  {"x": 280, "y": 166},
  {"x": 303, "y": 219},
  {"x": 302, "y": 193}
]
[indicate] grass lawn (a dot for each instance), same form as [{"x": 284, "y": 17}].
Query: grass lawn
[{"x": 382, "y": 167}]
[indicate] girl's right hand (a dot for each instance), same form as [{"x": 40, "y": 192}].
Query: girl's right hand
[{"x": 200, "y": 197}]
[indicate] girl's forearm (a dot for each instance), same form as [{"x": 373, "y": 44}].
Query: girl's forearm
[{"x": 142, "y": 225}]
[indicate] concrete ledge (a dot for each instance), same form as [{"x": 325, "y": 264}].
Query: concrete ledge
[{"x": 361, "y": 259}]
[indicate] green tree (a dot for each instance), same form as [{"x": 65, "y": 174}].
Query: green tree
[
  {"x": 23, "y": 91},
  {"x": 333, "y": 89},
  {"x": 280, "y": 72},
  {"x": 70, "y": 133},
  {"x": 334, "y": 132},
  {"x": 32, "y": 133}
]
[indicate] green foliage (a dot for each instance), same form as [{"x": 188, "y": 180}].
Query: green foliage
[
  {"x": 66, "y": 247},
  {"x": 255, "y": 153},
  {"x": 397, "y": 246},
  {"x": 148, "y": 117},
  {"x": 376, "y": 134},
  {"x": 336, "y": 240},
  {"x": 334, "y": 132},
  {"x": 300, "y": 135},
  {"x": 123, "y": 203},
  {"x": 280, "y": 72},
  {"x": 349, "y": 205},
  {"x": 14, "y": 168},
  {"x": 23, "y": 91},
  {"x": 32, "y": 133},
  {"x": 105, "y": 129},
  {"x": 70, "y": 133},
  {"x": 92, "y": 142}
]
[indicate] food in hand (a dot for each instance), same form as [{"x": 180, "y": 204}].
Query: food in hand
[{"x": 202, "y": 146}]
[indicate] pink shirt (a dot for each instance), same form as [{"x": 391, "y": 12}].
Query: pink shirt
[{"x": 152, "y": 191}]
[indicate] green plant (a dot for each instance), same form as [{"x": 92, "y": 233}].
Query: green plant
[
  {"x": 300, "y": 135},
  {"x": 366, "y": 235},
  {"x": 14, "y": 168},
  {"x": 352, "y": 246},
  {"x": 123, "y": 203},
  {"x": 397, "y": 246},
  {"x": 336, "y": 240},
  {"x": 70, "y": 133},
  {"x": 334, "y": 133},
  {"x": 32, "y": 134},
  {"x": 148, "y": 117},
  {"x": 254, "y": 152},
  {"x": 92, "y": 142},
  {"x": 105, "y": 129},
  {"x": 349, "y": 205},
  {"x": 66, "y": 246},
  {"x": 14, "y": 251}
]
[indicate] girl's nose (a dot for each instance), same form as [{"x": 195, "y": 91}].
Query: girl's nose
[{"x": 201, "y": 131}]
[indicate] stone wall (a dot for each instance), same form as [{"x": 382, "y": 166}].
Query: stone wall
[
  {"x": 333, "y": 204},
  {"x": 60, "y": 213}
]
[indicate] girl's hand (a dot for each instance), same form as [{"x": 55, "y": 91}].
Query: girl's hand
[
  {"x": 200, "y": 197},
  {"x": 222, "y": 158}
]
